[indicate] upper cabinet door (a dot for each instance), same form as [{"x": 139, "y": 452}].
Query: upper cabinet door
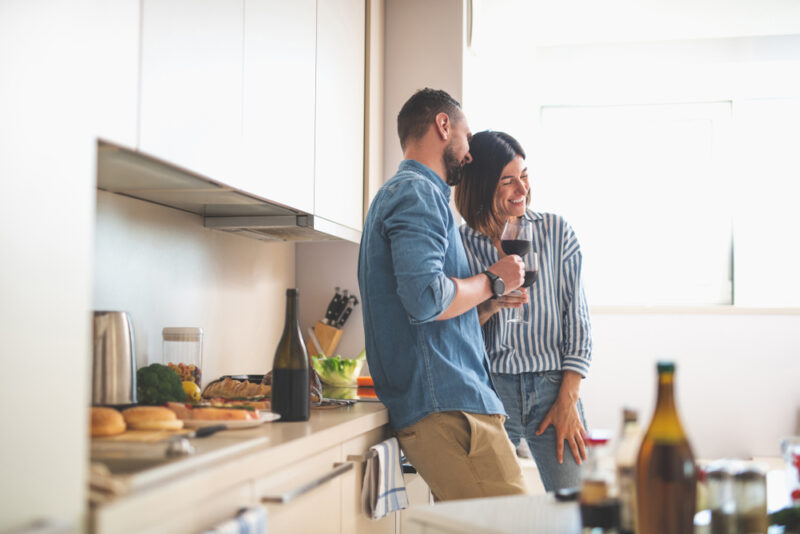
[
  {"x": 117, "y": 101},
  {"x": 339, "y": 173},
  {"x": 191, "y": 84},
  {"x": 279, "y": 71}
]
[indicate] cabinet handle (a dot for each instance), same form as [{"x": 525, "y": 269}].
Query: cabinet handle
[{"x": 292, "y": 494}]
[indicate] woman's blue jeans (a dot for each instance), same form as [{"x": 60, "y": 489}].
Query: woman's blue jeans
[{"x": 527, "y": 397}]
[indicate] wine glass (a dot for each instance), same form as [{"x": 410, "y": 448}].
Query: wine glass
[{"x": 516, "y": 239}]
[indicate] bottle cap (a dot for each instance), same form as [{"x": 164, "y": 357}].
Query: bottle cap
[
  {"x": 666, "y": 367},
  {"x": 629, "y": 415}
]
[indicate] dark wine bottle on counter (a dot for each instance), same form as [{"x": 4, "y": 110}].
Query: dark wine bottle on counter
[
  {"x": 666, "y": 475},
  {"x": 290, "y": 368}
]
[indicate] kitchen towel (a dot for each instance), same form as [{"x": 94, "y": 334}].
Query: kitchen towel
[
  {"x": 384, "y": 490},
  {"x": 247, "y": 521}
]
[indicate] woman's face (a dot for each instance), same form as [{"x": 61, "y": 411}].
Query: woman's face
[{"x": 512, "y": 189}]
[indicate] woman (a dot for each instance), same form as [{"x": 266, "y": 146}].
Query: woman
[{"x": 536, "y": 365}]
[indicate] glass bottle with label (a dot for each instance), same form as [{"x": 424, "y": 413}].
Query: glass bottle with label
[
  {"x": 290, "y": 374},
  {"x": 666, "y": 475}
]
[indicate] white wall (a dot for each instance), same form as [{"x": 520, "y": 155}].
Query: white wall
[
  {"x": 321, "y": 267},
  {"x": 736, "y": 381},
  {"x": 165, "y": 269},
  {"x": 423, "y": 49}
]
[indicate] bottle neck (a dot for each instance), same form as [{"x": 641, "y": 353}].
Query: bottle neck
[
  {"x": 291, "y": 309},
  {"x": 666, "y": 425}
]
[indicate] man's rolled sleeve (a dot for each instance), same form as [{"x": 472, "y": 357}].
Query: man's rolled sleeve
[{"x": 418, "y": 237}]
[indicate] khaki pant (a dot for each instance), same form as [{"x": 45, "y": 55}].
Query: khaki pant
[{"x": 463, "y": 455}]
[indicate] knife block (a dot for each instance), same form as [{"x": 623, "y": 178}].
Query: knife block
[{"x": 328, "y": 337}]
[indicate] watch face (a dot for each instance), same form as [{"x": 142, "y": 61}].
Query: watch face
[{"x": 498, "y": 286}]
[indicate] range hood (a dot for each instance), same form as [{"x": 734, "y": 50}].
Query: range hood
[{"x": 138, "y": 175}]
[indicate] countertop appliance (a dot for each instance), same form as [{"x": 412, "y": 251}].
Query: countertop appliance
[{"x": 113, "y": 359}]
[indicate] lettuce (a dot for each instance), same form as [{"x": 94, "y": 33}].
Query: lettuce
[{"x": 338, "y": 371}]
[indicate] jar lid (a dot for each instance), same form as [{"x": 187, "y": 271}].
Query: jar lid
[
  {"x": 597, "y": 437},
  {"x": 182, "y": 334}
]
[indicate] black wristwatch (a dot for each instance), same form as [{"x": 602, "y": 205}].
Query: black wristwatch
[{"x": 496, "y": 283}]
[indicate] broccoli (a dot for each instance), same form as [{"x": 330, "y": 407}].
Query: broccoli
[{"x": 157, "y": 384}]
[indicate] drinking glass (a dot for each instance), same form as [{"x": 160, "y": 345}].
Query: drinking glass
[{"x": 516, "y": 239}]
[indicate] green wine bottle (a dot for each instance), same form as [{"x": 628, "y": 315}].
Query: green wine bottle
[{"x": 290, "y": 375}]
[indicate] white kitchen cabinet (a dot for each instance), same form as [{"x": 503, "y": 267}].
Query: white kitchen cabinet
[
  {"x": 191, "y": 84},
  {"x": 116, "y": 108},
  {"x": 279, "y": 71},
  {"x": 317, "y": 510},
  {"x": 339, "y": 154},
  {"x": 353, "y": 518}
]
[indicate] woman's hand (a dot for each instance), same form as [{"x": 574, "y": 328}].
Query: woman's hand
[
  {"x": 563, "y": 415},
  {"x": 489, "y": 307}
]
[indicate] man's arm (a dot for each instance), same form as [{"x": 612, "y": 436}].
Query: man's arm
[{"x": 476, "y": 289}]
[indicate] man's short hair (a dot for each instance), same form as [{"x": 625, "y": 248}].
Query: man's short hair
[{"x": 420, "y": 110}]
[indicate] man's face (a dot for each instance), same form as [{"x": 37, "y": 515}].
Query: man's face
[{"x": 456, "y": 153}]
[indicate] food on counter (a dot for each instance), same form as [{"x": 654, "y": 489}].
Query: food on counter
[
  {"x": 186, "y": 372},
  {"x": 229, "y": 389},
  {"x": 226, "y": 412},
  {"x": 192, "y": 391},
  {"x": 338, "y": 371},
  {"x": 151, "y": 418},
  {"x": 157, "y": 384},
  {"x": 106, "y": 422},
  {"x": 257, "y": 403},
  {"x": 232, "y": 413},
  {"x": 365, "y": 382}
]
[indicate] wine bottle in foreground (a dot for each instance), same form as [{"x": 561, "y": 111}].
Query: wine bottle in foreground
[
  {"x": 666, "y": 475},
  {"x": 290, "y": 368}
]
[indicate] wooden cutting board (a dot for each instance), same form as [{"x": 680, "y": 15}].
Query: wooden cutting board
[{"x": 142, "y": 436}]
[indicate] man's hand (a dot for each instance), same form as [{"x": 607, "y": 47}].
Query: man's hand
[{"x": 512, "y": 270}]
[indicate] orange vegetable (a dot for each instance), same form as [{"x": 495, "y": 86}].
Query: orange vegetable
[{"x": 365, "y": 381}]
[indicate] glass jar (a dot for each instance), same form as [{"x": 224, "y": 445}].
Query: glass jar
[
  {"x": 750, "y": 494},
  {"x": 183, "y": 352},
  {"x": 599, "y": 491},
  {"x": 721, "y": 502}
]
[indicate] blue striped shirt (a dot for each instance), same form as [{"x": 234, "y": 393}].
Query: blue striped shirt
[{"x": 557, "y": 333}]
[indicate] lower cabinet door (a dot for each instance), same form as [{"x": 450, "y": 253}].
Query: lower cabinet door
[
  {"x": 354, "y": 520},
  {"x": 306, "y": 496},
  {"x": 148, "y": 516}
]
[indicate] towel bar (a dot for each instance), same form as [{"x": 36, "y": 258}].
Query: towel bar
[{"x": 406, "y": 467}]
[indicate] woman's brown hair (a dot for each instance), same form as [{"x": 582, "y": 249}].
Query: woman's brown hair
[{"x": 474, "y": 196}]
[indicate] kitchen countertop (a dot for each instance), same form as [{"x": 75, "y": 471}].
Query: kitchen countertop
[{"x": 139, "y": 466}]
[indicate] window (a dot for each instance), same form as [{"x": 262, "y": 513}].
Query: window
[{"x": 645, "y": 189}]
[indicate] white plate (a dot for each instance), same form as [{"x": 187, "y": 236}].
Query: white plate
[{"x": 232, "y": 425}]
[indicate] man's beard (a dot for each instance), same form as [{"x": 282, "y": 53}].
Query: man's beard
[{"x": 452, "y": 166}]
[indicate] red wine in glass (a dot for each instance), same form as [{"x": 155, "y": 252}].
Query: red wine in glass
[
  {"x": 520, "y": 247},
  {"x": 516, "y": 239}
]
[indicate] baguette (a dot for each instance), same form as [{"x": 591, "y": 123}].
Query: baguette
[{"x": 230, "y": 388}]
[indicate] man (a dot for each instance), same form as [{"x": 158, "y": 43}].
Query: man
[{"x": 424, "y": 343}]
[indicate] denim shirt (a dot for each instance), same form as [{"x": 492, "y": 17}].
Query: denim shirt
[{"x": 410, "y": 249}]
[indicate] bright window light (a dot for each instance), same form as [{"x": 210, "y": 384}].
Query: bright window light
[{"x": 644, "y": 189}]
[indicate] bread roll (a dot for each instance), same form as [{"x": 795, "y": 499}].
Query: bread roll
[
  {"x": 106, "y": 422},
  {"x": 151, "y": 418}
]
